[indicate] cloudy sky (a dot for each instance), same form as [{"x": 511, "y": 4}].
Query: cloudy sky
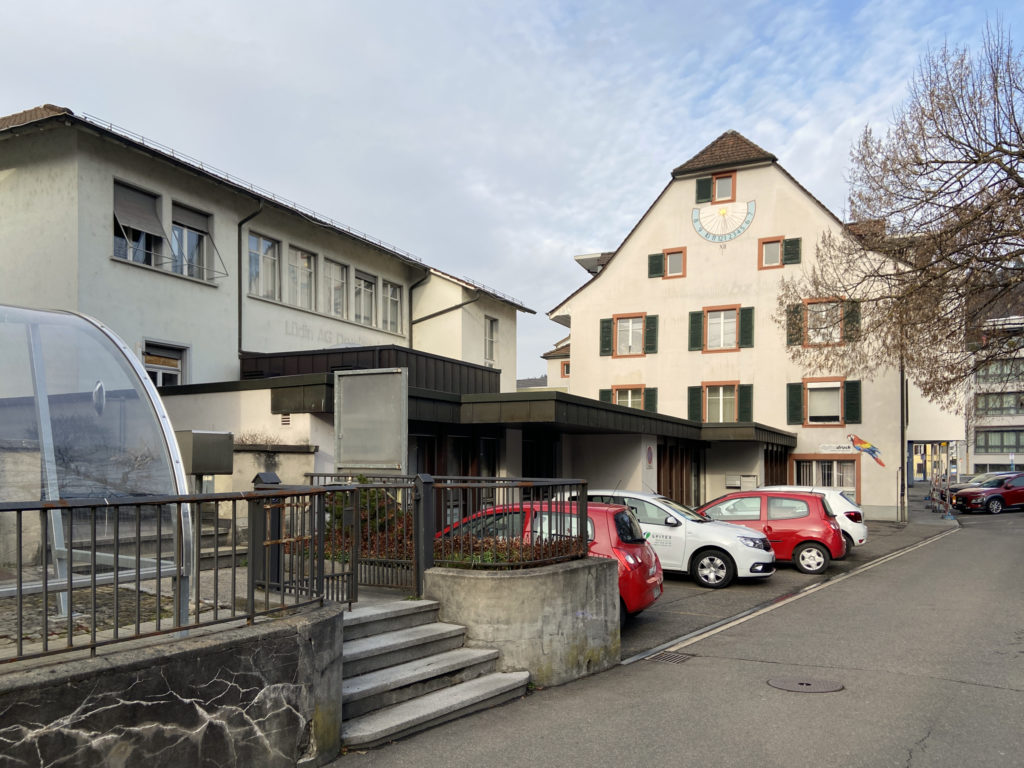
[{"x": 493, "y": 139}]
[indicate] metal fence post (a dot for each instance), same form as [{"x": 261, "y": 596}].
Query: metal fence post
[{"x": 424, "y": 525}]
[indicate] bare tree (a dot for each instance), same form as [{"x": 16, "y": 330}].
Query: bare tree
[{"x": 932, "y": 272}]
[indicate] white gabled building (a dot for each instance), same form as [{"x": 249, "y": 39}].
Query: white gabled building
[{"x": 679, "y": 321}]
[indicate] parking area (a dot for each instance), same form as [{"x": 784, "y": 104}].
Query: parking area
[{"x": 684, "y": 607}]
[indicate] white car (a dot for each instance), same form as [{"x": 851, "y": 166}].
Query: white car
[
  {"x": 713, "y": 553},
  {"x": 847, "y": 513}
]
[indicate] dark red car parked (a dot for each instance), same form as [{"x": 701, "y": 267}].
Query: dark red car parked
[
  {"x": 612, "y": 531},
  {"x": 995, "y": 495},
  {"x": 798, "y": 525}
]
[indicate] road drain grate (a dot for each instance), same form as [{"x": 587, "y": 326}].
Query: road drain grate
[
  {"x": 670, "y": 657},
  {"x": 802, "y": 685}
]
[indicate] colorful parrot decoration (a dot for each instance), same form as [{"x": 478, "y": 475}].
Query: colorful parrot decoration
[{"x": 865, "y": 447}]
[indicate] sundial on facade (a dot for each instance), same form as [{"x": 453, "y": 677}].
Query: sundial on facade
[{"x": 721, "y": 222}]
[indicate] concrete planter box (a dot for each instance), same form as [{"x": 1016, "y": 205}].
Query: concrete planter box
[{"x": 559, "y": 622}]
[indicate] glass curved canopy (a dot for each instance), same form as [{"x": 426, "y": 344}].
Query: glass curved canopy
[{"x": 78, "y": 415}]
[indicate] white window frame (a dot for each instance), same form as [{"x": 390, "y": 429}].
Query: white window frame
[
  {"x": 364, "y": 299},
  {"x": 824, "y": 322},
  {"x": 188, "y": 251},
  {"x": 629, "y": 336},
  {"x": 301, "y": 278},
  {"x": 392, "y": 298},
  {"x": 335, "y": 288},
  {"x": 631, "y": 397},
  {"x": 490, "y": 338},
  {"x": 722, "y": 328},
  {"x": 264, "y": 267},
  {"x": 721, "y": 396},
  {"x": 165, "y": 363},
  {"x": 819, "y": 397}
]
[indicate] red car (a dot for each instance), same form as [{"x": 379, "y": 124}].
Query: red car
[
  {"x": 994, "y": 495},
  {"x": 612, "y": 531},
  {"x": 799, "y": 525}
]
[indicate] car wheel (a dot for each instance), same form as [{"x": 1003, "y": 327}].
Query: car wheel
[
  {"x": 713, "y": 569},
  {"x": 995, "y": 506},
  {"x": 623, "y": 615},
  {"x": 849, "y": 546},
  {"x": 811, "y": 557}
]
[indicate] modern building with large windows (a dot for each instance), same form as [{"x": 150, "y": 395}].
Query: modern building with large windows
[{"x": 680, "y": 320}]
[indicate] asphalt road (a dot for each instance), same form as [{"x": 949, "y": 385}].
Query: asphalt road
[{"x": 926, "y": 645}]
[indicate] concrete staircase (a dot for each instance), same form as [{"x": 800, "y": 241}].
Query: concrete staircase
[{"x": 405, "y": 672}]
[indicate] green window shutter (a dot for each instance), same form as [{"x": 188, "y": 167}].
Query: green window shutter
[
  {"x": 694, "y": 401},
  {"x": 746, "y": 327},
  {"x": 851, "y": 402},
  {"x": 606, "y": 336},
  {"x": 851, "y": 320},
  {"x": 704, "y": 190},
  {"x": 795, "y": 324},
  {"x": 791, "y": 251},
  {"x": 795, "y": 403},
  {"x": 604, "y": 395},
  {"x": 651, "y": 399},
  {"x": 655, "y": 264},
  {"x": 745, "y": 406},
  {"x": 696, "y": 330},
  {"x": 650, "y": 334}
]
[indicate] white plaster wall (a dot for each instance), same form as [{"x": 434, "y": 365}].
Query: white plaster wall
[
  {"x": 609, "y": 461},
  {"x": 473, "y": 338},
  {"x": 39, "y": 220},
  {"x": 441, "y": 335}
]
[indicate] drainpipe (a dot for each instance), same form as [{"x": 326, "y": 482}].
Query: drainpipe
[
  {"x": 902, "y": 514},
  {"x": 241, "y": 271},
  {"x": 412, "y": 288},
  {"x": 440, "y": 312}
]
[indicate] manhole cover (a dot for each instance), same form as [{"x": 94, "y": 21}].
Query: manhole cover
[
  {"x": 669, "y": 657},
  {"x": 802, "y": 685}
]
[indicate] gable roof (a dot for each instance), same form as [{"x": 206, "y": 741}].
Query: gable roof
[
  {"x": 31, "y": 115},
  {"x": 729, "y": 150}
]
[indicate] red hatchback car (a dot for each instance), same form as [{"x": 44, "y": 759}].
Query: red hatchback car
[
  {"x": 798, "y": 525},
  {"x": 612, "y": 531}
]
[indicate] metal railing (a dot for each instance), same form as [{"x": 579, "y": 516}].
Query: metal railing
[
  {"x": 82, "y": 574},
  {"x": 130, "y": 573}
]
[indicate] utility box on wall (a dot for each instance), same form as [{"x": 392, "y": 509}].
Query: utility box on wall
[{"x": 206, "y": 453}]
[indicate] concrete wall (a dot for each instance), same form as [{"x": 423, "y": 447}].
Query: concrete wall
[
  {"x": 267, "y": 695},
  {"x": 560, "y": 622},
  {"x": 743, "y": 459}
]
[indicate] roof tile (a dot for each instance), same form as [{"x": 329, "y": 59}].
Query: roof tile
[
  {"x": 731, "y": 149},
  {"x": 31, "y": 115}
]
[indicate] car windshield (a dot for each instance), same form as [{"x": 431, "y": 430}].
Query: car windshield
[
  {"x": 682, "y": 510},
  {"x": 995, "y": 482},
  {"x": 849, "y": 497}
]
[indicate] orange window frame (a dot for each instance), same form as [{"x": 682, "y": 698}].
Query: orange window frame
[
  {"x": 664, "y": 272},
  {"x": 842, "y": 405},
  {"x": 616, "y": 388},
  {"x": 564, "y": 368},
  {"x": 855, "y": 457},
  {"x": 714, "y": 187},
  {"x": 760, "y": 252},
  {"x": 806, "y": 324},
  {"x": 725, "y": 308},
  {"x": 615, "y": 333},
  {"x": 735, "y": 398}
]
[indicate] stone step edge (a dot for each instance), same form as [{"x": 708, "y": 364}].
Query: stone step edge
[
  {"x": 398, "y": 639},
  {"x": 389, "y": 610},
  {"x": 432, "y": 709},
  {"x": 401, "y": 675}
]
